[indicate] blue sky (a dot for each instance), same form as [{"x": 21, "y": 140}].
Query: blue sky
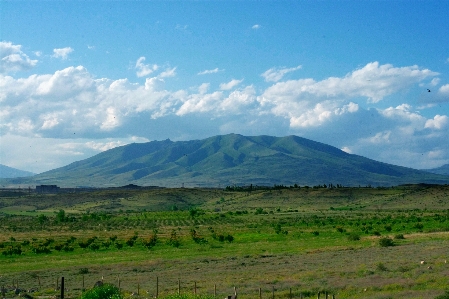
[{"x": 80, "y": 77}]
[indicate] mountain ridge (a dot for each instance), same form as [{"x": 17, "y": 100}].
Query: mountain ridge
[
  {"x": 10, "y": 172},
  {"x": 231, "y": 159},
  {"x": 444, "y": 170}
]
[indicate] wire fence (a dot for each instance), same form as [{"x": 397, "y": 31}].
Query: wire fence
[{"x": 74, "y": 287}]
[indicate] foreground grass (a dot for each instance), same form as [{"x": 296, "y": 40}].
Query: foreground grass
[{"x": 282, "y": 239}]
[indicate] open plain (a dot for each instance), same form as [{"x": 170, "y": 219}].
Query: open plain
[{"x": 282, "y": 241}]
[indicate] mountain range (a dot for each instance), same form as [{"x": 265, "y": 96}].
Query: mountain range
[
  {"x": 10, "y": 172},
  {"x": 229, "y": 160},
  {"x": 444, "y": 170}
]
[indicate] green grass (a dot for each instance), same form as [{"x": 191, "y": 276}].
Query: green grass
[{"x": 299, "y": 243}]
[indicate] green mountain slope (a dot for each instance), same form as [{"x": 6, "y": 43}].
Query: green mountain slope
[
  {"x": 231, "y": 160},
  {"x": 444, "y": 170},
  {"x": 9, "y": 172}
]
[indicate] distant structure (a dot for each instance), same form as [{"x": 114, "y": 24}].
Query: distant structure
[
  {"x": 47, "y": 189},
  {"x": 130, "y": 186}
]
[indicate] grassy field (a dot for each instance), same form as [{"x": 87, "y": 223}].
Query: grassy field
[{"x": 351, "y": 242}]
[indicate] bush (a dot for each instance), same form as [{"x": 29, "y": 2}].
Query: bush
[
  {"x": 83, "y": 271},
  {"x": 94, "y": 246},
  {"x": 196, "y": 237},
  {"x": 399, "y": 237},
  {"x": 174, "y": 239},
  {"x": 381, "y": 267},
  {"x": 150, "y": 242},
  {"x": 106, "y": 291},
  {"x": 340, "y": 229},
  {"x": 130, "y": 242},
  {"x": 386, "y": 242},
  {"x": 38, "y": 249},
  {"x": 354, "y": 237},
  {"x": 10, "y": 250},
  {"x": 229, "y": 238}
]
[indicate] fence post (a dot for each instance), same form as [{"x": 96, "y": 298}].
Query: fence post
[
  {"x": 39, "y": 279},
  {"x": 179, "y": 286},
  {"x": 157, "y": 286},
  {"x": 319, "y": 293},
  {"x": 194, "y": 289},
  {"x": 62, "y": 287},
  {"x": 260, "y": 293},
  {"x": 118, "y": 278},
  {"x": 273, "y": 293}
]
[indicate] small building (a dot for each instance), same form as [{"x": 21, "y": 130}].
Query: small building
[{"x": 47, "y": 189}]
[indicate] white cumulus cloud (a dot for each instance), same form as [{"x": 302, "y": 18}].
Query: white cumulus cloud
[
  {"x": 144, "y": 69},
  {"x": 62, "y": 53},
  {"x": 230, "y": 85},
  {"x": 444, "y": 90},
  {"x": 72, "y": 100},
  {"x": 276, "y": 74},
  {"x": 438, "y": 122},
  {"x": 12, "y": 59},
  {"x": 213, "y": 71}
]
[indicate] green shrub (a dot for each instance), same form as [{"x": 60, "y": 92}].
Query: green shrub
[
  {"x": 106, "y": 291},
  {"x": 83, "y": 271},
  {"x": 150, "y": 242},
  {"x": 196, "y": 237},
  {"x": 386, "y": 242},
  {"x": 48, "y": 241},
  {"x": 229, "y": 238},
  {"x": 94, "y": 246},
  {"x": 340, "y": 229},
  {"x": 381, "y": 267},
  {"x": 174, "y": 239},
  {"x": 130, "y": 242},
  {"x": 10, "y": 250},
  {"x": 399, "y": 236},
  {"x": 353, "y": 237}
]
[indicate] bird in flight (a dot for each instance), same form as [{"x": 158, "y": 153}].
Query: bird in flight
[{"x": 428, "y": 90}]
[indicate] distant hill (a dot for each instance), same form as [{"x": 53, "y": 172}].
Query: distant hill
[
  {"x": 444, "y": 170},
  {"x": 230, "y": 160},
  {"x": 9, "y": 172}
]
